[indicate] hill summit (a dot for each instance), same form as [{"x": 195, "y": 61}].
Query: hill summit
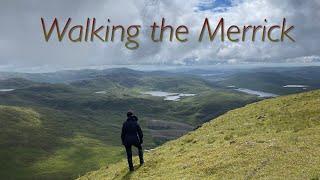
[{"x": 271, "y": 139}]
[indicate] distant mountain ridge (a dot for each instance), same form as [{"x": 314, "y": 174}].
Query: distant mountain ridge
[{"x": 67, "y": 76}]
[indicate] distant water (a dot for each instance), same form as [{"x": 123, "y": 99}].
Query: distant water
[
  {"x": 168, "y": 96},
  {"x": 258, "y": 93},
  {"x": 101, "y": 92},
  {"x": 295, "y": 86},
  {"x": 160, "y": 93},
  {"x": 6, "y": 90},
  {"x": 172, "y": 98}
]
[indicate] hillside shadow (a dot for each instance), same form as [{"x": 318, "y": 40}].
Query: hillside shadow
[{"x": 128, "y": 175}]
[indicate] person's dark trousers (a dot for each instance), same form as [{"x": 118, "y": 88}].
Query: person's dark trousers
[{"x": 129, "y": 155}]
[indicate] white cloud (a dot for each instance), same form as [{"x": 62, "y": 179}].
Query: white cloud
[
  {"x": 22, "y": 44},
  {"x": 304, "y": 59}
]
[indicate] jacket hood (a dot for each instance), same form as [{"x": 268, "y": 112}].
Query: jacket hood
[{"x": 131, "y": 118}]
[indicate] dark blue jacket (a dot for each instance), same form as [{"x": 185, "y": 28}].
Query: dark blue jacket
[{"x": 131, "y": 133}]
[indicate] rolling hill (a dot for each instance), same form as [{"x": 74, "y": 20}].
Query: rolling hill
[
  {"x": 273, "y": 80},
  {"x": 41, "y": 143},
  {"x": 272, "y": 139},
  {"x": 63, "y": 130}
]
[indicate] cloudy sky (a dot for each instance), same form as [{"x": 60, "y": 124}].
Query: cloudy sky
[{"x": 22, "y": 44}]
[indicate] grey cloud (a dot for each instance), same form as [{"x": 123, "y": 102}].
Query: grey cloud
[{"x": 22, "y": 43}]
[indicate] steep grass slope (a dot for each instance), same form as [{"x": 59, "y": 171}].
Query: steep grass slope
[
  {"x": 272, "y": 139},
  {"x": 33, "y": 147}
]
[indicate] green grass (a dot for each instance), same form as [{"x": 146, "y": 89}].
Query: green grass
[
  {"x": 31, "y": 148},
  {"x": 79, "y": 156},
  {"x": 65, "y": 130},
  {"x": 272, "y": 139}
]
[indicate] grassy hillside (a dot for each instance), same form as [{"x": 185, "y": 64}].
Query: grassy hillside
[
  {"x": 74, "y": 130},
  {"x": 272, "y": 139},
  {"x": 33, "y": 146},
  {"x": 101, "y": 113},
  {"x": 15, "y": 83}
]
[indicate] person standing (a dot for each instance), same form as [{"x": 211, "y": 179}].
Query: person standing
[{"x": 131, "y": 135}]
